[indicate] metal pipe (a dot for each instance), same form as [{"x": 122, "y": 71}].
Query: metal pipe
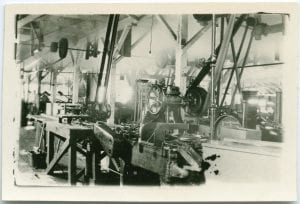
[
  {"x": 105, "y": 49},
  {"x": 111, "y": 50},
  {"x": 221, "y": 40},
  {"x": 213, "y": 66},
  {"x": 101, "y": 97},
  {"x": 243, "y": 112}
]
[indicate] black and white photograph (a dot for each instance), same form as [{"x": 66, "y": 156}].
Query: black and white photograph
[{"x": 150, "y": 98}]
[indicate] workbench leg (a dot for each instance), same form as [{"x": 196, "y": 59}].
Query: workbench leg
[
  {"x": 44, "y": 140},
  {"x": 72, "y": 162},
  {"x": 122, "y": 166},
  {"x": 50, "y": 147},
  {"x": 95, "y": 164},
  {"x": 88, "y": 165}
]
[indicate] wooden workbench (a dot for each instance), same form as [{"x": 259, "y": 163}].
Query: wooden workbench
[
  {"x": 40, "y": 122},
  {"x": 71, "y": 135}
]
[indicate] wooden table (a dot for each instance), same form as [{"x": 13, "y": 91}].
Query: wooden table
[
  {"x": 40, "y": 122},
  {"x": 71, "y": 135}
]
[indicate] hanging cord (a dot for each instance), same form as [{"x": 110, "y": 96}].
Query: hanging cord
[{"x": 151, "y": 29}]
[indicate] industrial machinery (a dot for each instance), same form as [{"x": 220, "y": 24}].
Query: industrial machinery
[{"x": 164, "y": 145}]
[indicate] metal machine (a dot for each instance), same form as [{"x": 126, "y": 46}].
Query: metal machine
[{"x": 164, "y": 144}]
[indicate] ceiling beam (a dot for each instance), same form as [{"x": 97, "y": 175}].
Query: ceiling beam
[
  {"x": 196, "y": 37},
  {"x": 122, "y": 40},
  {"x": 132, "y": 46},
  {"x": 134, "y": 17},
  {"x": 27, "y": 19},
  {"x": 167, "y": 26}
]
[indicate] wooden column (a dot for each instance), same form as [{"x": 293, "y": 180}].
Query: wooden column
[
  {"x": 39, "y": 77},
  {"x": 72, "y": 161},
  {"x": 76, "y": 78},
  {"x": 27, "y": 81},
  {"x": 181, "y": 55},
  {"x": 96, "y": 158},
  {"x": 50, "y": 147},
  {"x": 112, "y": 91},
  {"x": 88, "y": 164},
  {"x": 53, "y": 90}
]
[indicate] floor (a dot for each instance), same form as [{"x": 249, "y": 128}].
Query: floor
[{"x": 25, "y": 173}]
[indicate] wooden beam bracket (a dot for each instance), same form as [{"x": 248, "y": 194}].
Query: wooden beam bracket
[
  {"x": 196, "y": 37},
  {"x": 167, "y": 26}
]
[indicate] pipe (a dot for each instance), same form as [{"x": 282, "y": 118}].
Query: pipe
[
  {"x": 213, "y": 66},
  {"x": 103, "y": 91},
  {"x": 106, "y": 42},
  {"x": 111, "y": 50},
  {"x": 221, "y": 40}
]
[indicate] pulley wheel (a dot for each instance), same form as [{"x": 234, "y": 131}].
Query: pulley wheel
[
  {"x": 195, "y": 98},
  {"x": 63, "y": 46},
  {"x": 54, "y": 46}
]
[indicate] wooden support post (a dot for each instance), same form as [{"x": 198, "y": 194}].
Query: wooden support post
[
  {"x": 234, "y": 69},
  {"x": 181, "y": 55},
  {"x": 95, "y": 163},
  {"x": 53, "y": 90},
  {"x": 112, "y": 90},
  {"x": 242, "y": 68},
  {"x": 224, "y": 48},
  {"x": 76, "y": 78},
  {"x": 72, "y": 161},
  {"x": 39, "y": 78},
  {"x": 27, "y": 81},
  {"x": 50, "y": 147},
  {"x": 88, "y": 164}
]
